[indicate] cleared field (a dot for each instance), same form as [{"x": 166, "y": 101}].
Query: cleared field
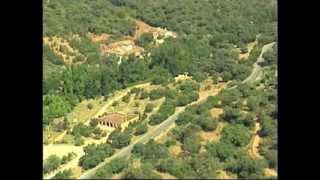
[
  {"x": 60, "y": 150},
  {"x": 82, "y": 113}
]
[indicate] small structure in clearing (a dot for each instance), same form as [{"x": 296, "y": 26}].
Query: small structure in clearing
[{"x": 115, "y": 120}]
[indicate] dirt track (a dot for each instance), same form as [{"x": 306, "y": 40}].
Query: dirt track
[{"x": 254, "y": 143}]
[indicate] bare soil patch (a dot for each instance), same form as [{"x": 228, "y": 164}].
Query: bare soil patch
[
  {"x": 128, "y": 46},
  {"x": 253, "y": 148},
  {"x": 176, "y": 149},
  {"x": 208, "y": 89},
  {"x": 250, "y": 46},
  {"x": 212, "y": 136},
  {"x": 225, "y": 175},
  {"x": 99, "y": 38},
  {"x": 165, "y": 175},
  {"x": 270, "y": 172},
  {"x": 216, "y": 112},
  {"x": 122, "y": 48},
  {"x": 136, "y": 163}
]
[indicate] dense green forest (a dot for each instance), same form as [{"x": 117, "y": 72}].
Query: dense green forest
[
  {"x": 208, "y": 32},
  {"x": 202, "y": 49}
]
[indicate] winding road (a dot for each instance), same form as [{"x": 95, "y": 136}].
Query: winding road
[
  {"x": 257, "y": 69},
  {"x": 126, "y": 151}
]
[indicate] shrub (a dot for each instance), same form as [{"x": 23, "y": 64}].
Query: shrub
[
  {"x": 116, "y": 103},
  {"x": 119, "y": 139},
  {"x": 94, "y": 122},
  {"x": 95, "y": 154},
  {"x": 78, "y": 141},
  {"x": 66, "y": 174},
  {"x": 191, "y": 143},
  {"x": 208, "y": 123},
  {"x": 236, "y": 134},
  {"x": 156, "y": 94},
  {"x": 141, "y": 129},
  {"x": 51, "y": 163},
  {"x": 145, "y": 39},
  {"x": 126, "y": 98},
  {"x": 144, "y": 95},
  {"x": 90, "y": 106},
  {"x": 149, "y": 108}
]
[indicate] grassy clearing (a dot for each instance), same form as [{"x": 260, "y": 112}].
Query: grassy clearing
[
  {"x": 76, "y": 172},
  {"x": 82, "y": 113},
  {"x": 60, "y": 150}
]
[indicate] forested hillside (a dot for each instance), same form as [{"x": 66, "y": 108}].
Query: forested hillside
[{"x": 210, "y": 37}]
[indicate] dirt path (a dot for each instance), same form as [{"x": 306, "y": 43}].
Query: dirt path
[
  {"x": 250, "y": 46},
  {"x": 254, "y": 143},
  {"x": 60, "y": 137},
  {"x": 116, "y": 97},
  {"x": 63, "y": 149},
  {"x": 256, "y": 67},
  {"x": 151, "y": 134}
]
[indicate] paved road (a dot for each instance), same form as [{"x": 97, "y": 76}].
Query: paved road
[
  {"x": 257, "y": 69},
  {"x": 126, "y": 151},
  {"x": 167, "y": 123},
  {"x": 117, "y": 97}
]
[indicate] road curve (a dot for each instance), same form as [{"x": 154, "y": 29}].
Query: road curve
[
  {"x": 126, "y": 151},
  {"x": 256, "y": 67}
]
